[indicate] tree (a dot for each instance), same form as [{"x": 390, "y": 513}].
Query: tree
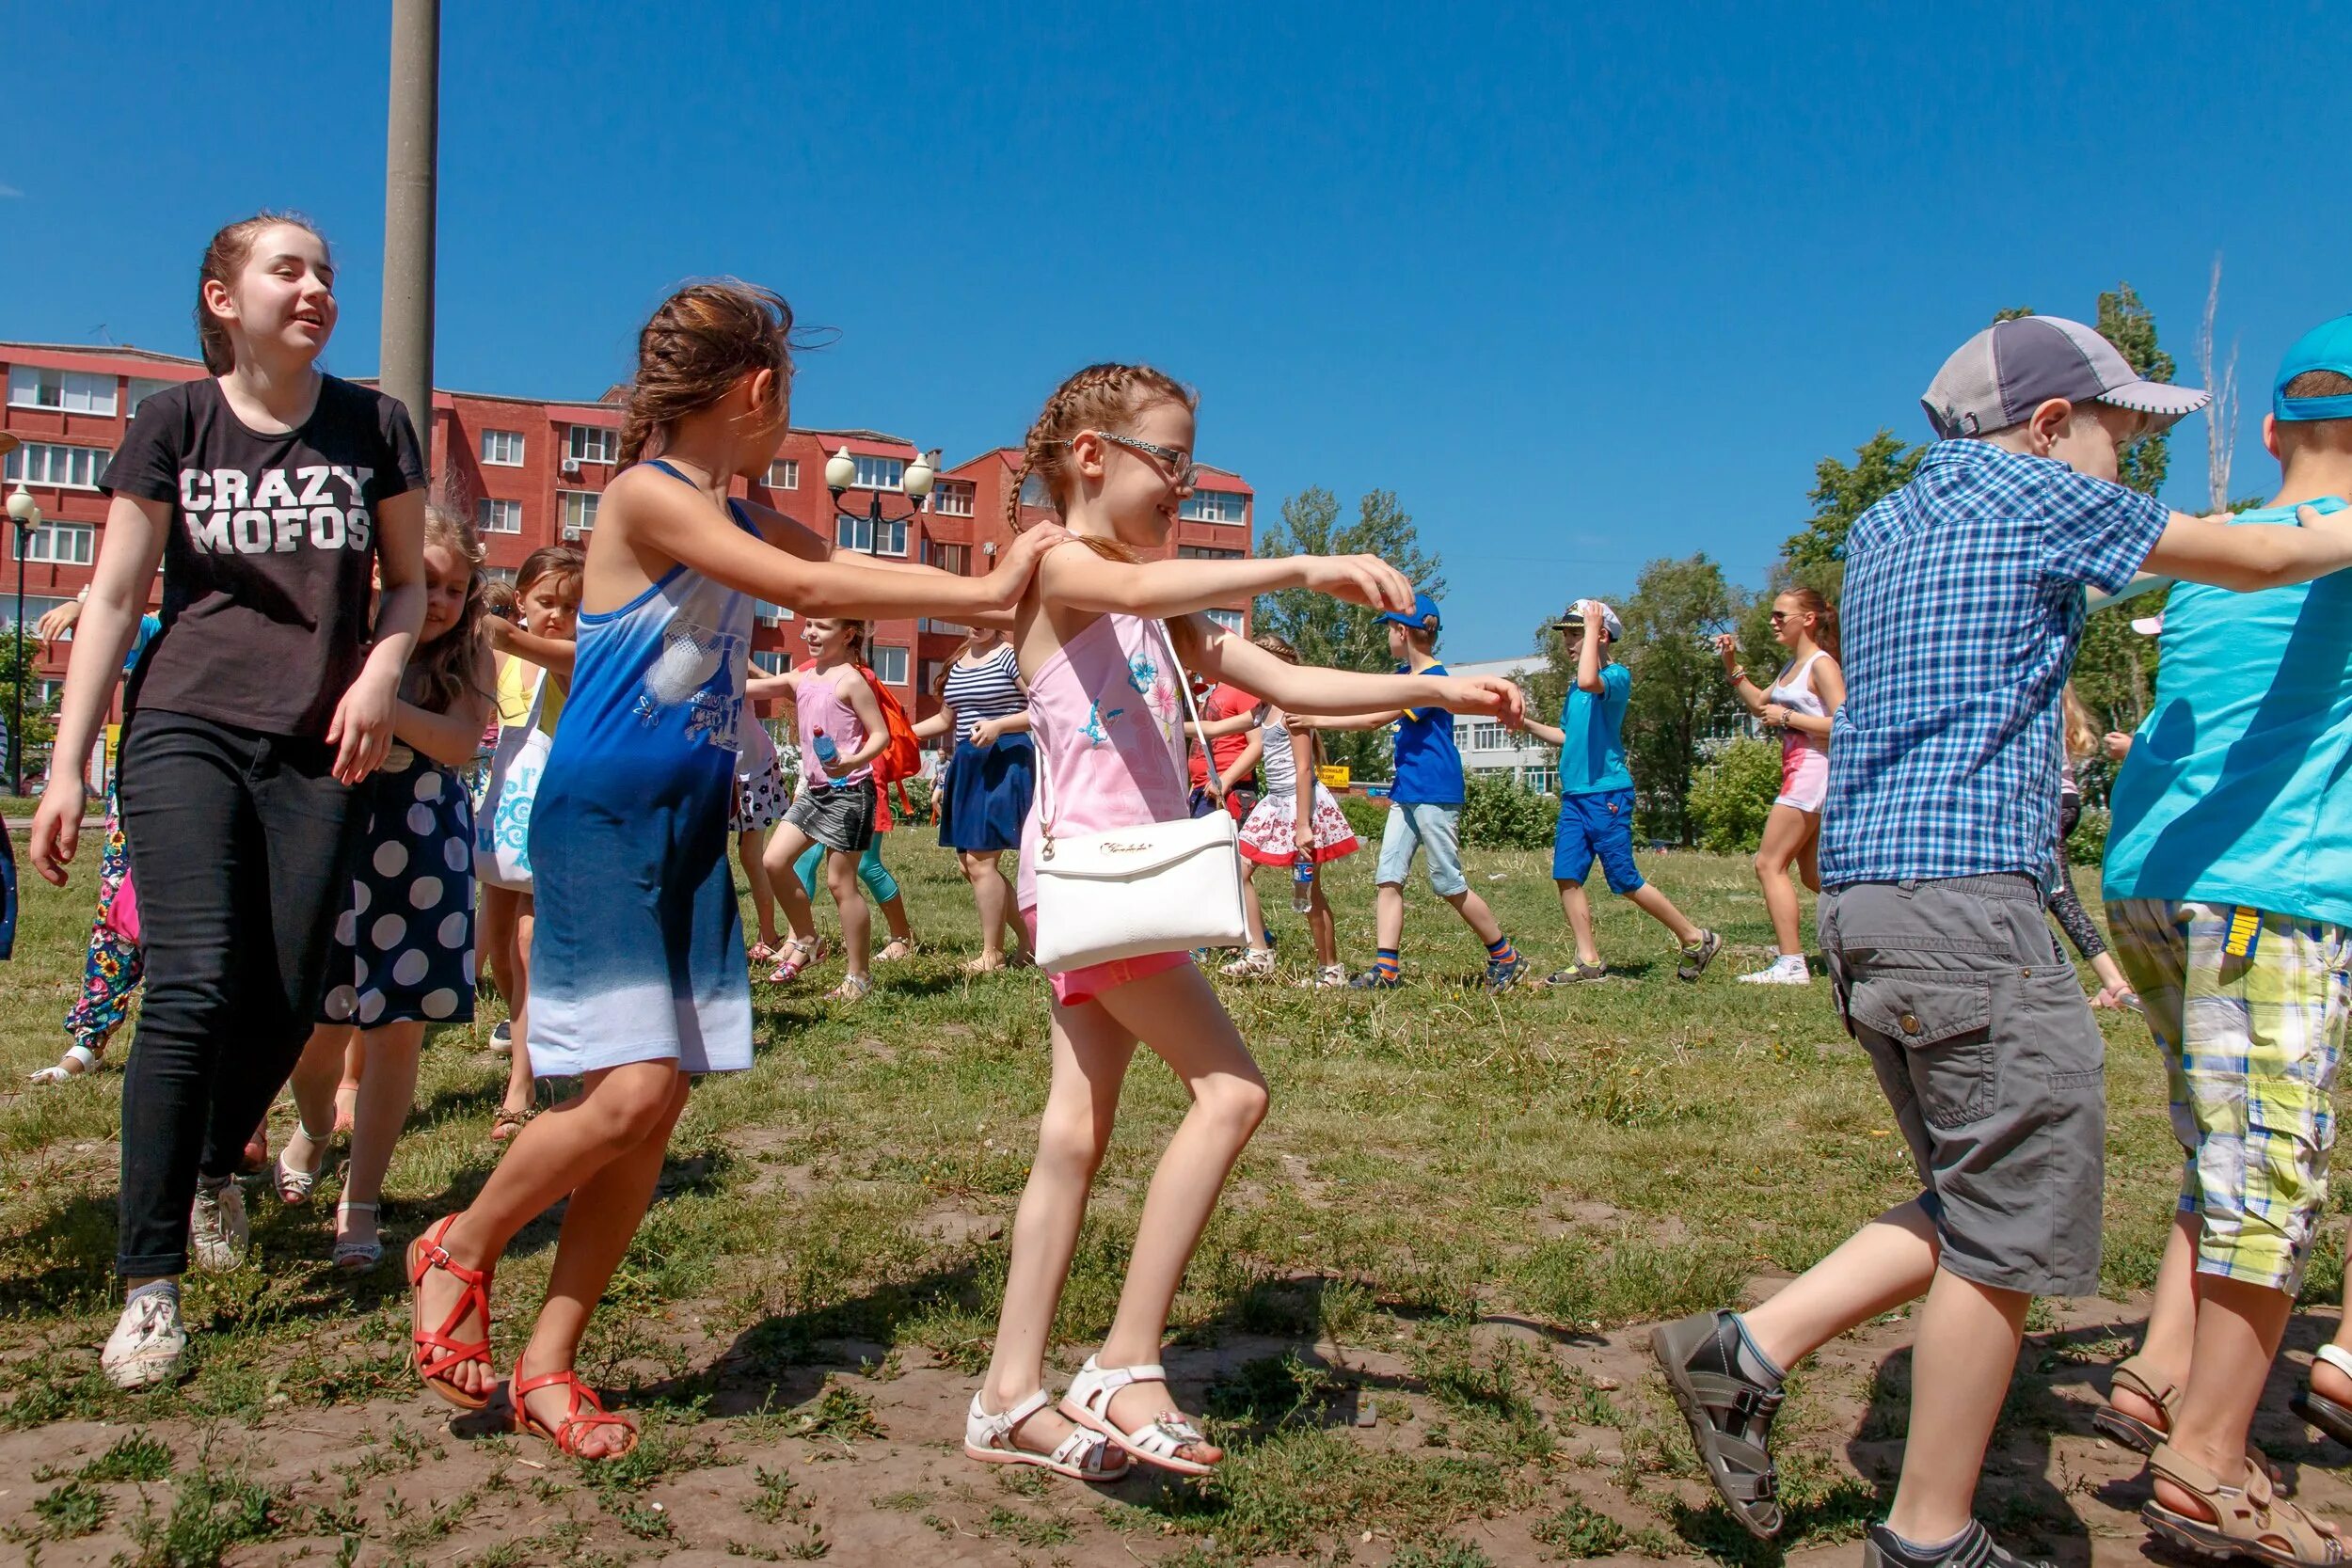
[
  {"x": 2131, "y": 326},
  {"x": 40, "y": 717},
  {"x": 1679, "y": 696},
  {"x": 1841, "y": 493},
  {"x": 1325, "y": 631}
]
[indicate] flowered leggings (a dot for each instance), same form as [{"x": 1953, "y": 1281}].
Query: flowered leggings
[{"x": 113, "y": 964}]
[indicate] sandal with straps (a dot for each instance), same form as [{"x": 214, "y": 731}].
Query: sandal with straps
[
  {"x": 1159, "y": 1441},
  {"x": 2318, "y": 1409},
  {"x": 1730, "y": 1420},
  {"x": 294, "y": 1186},
  {"x": 435, "y": 1350},
  {"x": 356, "y": 1257},
  {"x": 895, "y": 949},
  {"x": 2249, "y": 1520},
  {"x": 564, "y": 1433},
  {"x": 794, "y": 957},
  {"x": 1081, "y": 1456},
  {"x": 2140, "y": 1436}
]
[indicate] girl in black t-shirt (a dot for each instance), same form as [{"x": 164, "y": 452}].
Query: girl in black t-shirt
[{"x": 270, "y": 495}]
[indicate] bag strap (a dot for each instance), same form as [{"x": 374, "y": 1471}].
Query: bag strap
[{"x": 1045, "y": 758}]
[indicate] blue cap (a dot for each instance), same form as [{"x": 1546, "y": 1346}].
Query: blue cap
[
  {"x": 1424, "y": 614},
  {"x": 2325, "y": 347}
]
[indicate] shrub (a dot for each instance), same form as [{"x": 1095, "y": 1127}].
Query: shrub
[
  {"x": 2087, "y": 845},
  {"x": 1365, "y": 815},
  {"x": 1500, "y": 812},
  {"x": 1732, "y": 795}
]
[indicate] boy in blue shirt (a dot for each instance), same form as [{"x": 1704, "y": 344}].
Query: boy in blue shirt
[
  {"x": 1424, "y": 813},
  {"x": 1597, "y": 799},
  {"x": 2229, "y": 891},
  {"x": 1964, "y": 608}
]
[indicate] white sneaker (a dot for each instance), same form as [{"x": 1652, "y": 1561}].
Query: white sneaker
[
  {"x": 1256, "y": 963},
  {"x": 147, "y": 1343},
  {"x": 217, "y": 1226},
  {"x": 1329, "y": 977},
  {"x": 1788, "y": 970}
]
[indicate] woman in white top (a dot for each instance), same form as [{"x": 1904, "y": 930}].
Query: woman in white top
[{"x": 1800, "y": 703}]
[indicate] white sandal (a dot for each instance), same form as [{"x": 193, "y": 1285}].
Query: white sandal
[
  {"x": 294, "y": 1186},
  {"x": 1080, "y": 1456},
  {"x": 77, "y": 1060},
  {"x": 1156, "y": 1442},
  {"x": 356, "y": 1257}
]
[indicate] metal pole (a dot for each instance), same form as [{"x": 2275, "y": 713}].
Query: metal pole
[
  {"x": 16, "y": 726},
  {"x": 411, "y": 152}
]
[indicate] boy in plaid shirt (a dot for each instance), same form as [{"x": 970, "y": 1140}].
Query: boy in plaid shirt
[
  {"x": 1963, "y": 607},
  {"x": 2229, "y": 889}
]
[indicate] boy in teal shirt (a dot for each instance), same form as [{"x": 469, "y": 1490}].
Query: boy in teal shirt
[
  {"x": 2229, "y": 891},
  {"x": 1597, "y": 799}
]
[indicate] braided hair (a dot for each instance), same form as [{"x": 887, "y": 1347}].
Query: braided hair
[{"x": 1101, "y": 397}]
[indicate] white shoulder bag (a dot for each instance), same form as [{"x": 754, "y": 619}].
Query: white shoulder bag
[{"x": 1159, "y": 887}]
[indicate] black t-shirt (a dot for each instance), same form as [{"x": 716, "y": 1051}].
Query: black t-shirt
[{"x": 268, "y": 566}]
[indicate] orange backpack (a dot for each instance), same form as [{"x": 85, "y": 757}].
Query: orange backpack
[{"x": 902, "y": 759}]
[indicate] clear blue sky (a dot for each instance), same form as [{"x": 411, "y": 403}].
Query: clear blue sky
[{"x": 1582, "y": 291}]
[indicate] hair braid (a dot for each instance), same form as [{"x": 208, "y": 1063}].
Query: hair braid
[{"x": 1100, "y": 397}]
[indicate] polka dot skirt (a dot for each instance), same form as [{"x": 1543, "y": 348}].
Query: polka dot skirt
[{"x": 403, "y": 946}]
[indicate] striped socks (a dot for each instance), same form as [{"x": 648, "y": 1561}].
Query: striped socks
[
  {"x": 1500, "y": 951},
  {"x": 1384, "y": 963}
]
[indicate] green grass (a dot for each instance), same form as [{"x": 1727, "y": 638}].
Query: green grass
[{"x": 1437, "y": 1162}]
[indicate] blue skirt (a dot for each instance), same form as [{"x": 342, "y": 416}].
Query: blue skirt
[{"x": 988, "y": 795}]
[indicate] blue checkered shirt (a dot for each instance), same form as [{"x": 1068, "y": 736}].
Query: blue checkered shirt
[{"x": 1961, "y": 612}]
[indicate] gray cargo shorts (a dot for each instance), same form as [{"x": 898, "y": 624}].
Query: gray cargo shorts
[{"x": 1982, "y": 1038}]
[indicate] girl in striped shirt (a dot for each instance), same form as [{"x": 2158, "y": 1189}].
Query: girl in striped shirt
[{"x": 991, "y": 776}]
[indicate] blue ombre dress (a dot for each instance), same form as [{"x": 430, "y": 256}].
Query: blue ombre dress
[{"x": 639, "y": 951}]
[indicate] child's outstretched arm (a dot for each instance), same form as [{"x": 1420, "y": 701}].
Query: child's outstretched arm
[
  {"x": 942, "y": 722},
  {"x": 2250, "y": 556},
  {"x": 681, "y": 523},
  {"x": 1164, "y": 590},
  {"x": 1543, "y": 732},
  {"x": 1307, "y": 688},
  {"x": 549, "y": 653}
]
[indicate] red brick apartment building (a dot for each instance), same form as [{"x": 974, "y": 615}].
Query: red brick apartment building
[{"x": 531, "y": 470}]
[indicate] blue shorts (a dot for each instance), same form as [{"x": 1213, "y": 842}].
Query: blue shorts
[
  {"x": 1435, "y": 829},
  {"x": 1597, "y": 827}
]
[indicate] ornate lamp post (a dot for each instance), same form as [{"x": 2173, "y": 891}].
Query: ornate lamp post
[
  {"x": 25, "y": 514},
  {"x": 841, "y": 476}
]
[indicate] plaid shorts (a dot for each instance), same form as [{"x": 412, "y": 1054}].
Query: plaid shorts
[{"x": 2249, "y": 1008}]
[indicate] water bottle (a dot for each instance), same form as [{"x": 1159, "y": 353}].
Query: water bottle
[
  {"x": 827, "y": 752},
  {"x": 1303, "y": 881}
]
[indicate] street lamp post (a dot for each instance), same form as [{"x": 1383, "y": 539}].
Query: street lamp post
[
  {"x": 25, "y": 514},
  {"x": 841, "y": 476}
]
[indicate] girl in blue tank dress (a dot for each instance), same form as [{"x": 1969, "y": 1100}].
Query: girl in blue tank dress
[{"x": 638, "y": 971}]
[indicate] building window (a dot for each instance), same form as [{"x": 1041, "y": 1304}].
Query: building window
[
  {"x": 142, "y": 388},
  {"x": 879, "y": 474},
  {"x": 502, "y": 574},
  {"x": 1487, "y": 736},
  {"x": 891, "y": 665},
  {"x": 68, "y": 467},
  {"x": 1214, "y": 506},
  {"x": 1543, "y": 781},
  {"x": 502, "y": 517},
  {"x": 859, "y": 534},
  {"x": 503, "y": 448},
  {"x": 36, "y": 606},
  {"x": 590, "y": 443},
  {"x": 69, "y": 391},
  {"x": 785, "y": 474},
  {"x": 1230, "y": 619},
  {"x": 1202, "y": 553},
  {"x": 769, "y": 614},
  {"x": 949, "y": 558},
  {"x": 62, "y": 545},
  {"x": 952, "y": 499},
  {"x": 935, "y": 671},
  {"x": 578, "y": 509},
  {"x": 767, "y": 661},
  {"x": 1034, "y": 492}
]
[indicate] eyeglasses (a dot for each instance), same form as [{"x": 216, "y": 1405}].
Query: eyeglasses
[
  {"x": 1778, "y": 616},
  {"x": 1180, "y": 463}
]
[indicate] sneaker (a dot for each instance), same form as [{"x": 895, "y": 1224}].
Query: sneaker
[
  {"x": 502, "y": 1036},
  {"x": 1788, "y": 970},
  {"x": 1582, "y": 972},
  {"x": 1372, "y": 979},
  {"x": 1257, "y": 964},
  {"x": 1697, "y": 957},
  {"x": 217, "y": 1226},
  {"x": 147, "y": 1343},
  {"x": 1976, "y": 1547},
  {"x": 1329, "y": 977},
  {"x": 1502, "y": 977}
]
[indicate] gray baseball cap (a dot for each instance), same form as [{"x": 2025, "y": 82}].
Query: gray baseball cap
[{"x": 2006, "y": 372}]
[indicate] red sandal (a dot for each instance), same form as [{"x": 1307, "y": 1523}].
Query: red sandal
[
  {"x": 564, "y": 1433},
  {"x": 436, "y": 1351}
]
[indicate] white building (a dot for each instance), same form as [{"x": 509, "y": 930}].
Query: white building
[{"x": 1489, "y": 746}]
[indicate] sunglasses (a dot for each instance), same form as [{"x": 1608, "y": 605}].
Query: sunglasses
[{"x": 1180, "y": 465}]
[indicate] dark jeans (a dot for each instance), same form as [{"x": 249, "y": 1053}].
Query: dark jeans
[{"x": 242, "y": 847}]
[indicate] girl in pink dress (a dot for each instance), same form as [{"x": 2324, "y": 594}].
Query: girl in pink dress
[{"x": 1098, "y": 635}]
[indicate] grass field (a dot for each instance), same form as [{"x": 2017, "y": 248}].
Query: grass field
[{"x": 1416, "y": 1320}]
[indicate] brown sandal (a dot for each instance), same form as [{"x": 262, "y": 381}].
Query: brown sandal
[
  {"x": 2139, "y": 1435},
  {"x": 2249, "y": 1520},
  {"x": 504, "y": 1123}
]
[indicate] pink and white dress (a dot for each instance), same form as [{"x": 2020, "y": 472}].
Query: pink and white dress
[
  {"x": 1108, "y": 720},
  {"x": 1270, "y": 837},
  {"x": 1803, "y": 757}
]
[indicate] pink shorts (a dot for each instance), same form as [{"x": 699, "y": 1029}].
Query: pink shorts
[
  {"x": 1804, "y": 776},
  {"x": 1074, "y": 986}
]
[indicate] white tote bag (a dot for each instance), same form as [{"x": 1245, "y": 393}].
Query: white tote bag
[
  {"x": 1159, "y": 887},
  {"x": 501, "y": 825}
]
